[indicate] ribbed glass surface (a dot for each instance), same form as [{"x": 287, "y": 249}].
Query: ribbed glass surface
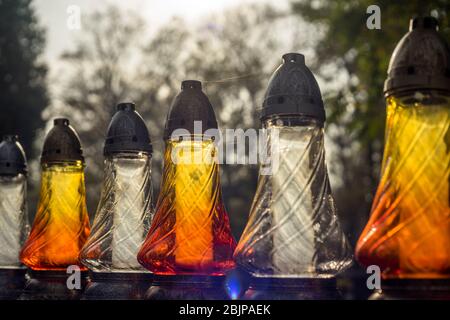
[
  {"x": 293, "y": 229},
  {"x": 408, "y": 233},
  {"x": 61, "y": 224},
  {"x": 190, "y": 233},
  {"x": 14, "y": 225},
  {"x": 123, "y": 215}
]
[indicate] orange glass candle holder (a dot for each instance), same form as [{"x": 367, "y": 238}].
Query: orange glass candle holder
[
  {"x": 190, "y": 233},
  {"x": 408, "y": 233},
  {"x": 61, "y": 224}
]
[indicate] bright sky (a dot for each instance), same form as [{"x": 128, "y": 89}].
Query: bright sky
[{"x": 53, "y": 15}]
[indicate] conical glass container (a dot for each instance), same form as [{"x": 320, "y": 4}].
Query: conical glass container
[
  {"x": 124, "y": 212},
  {"x": 190, "y": 234},
  {"x": 408, "y": 233},
  {"x": 61, "y": 224},
  {"x": 14, "y": 225},
  {"x": 293, "y": 229}
]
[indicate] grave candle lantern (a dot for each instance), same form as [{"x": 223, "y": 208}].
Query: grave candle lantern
[
  {"x": 190, "y": 234},
  {"x": 408, "y": 233},
  {"x": 124, "y": 211},
  {"x": 293, "y": 229},
  {"x": 14, "y": 225},
  {"x": 61, "y": 224}
]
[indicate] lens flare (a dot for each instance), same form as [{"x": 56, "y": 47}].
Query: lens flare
[{"x": 234, "y": 285}]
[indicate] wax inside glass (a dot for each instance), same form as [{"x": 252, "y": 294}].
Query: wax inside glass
[
  {"x": 14, "y": 225},
  {"x": 123, "y": 217},
  {"x": 61, "y": 224},
  {"x": 191, "y": 232},
  {"x": 293, "y": 229}
]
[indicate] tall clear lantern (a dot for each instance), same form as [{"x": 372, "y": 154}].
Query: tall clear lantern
[{"x": 293, "y": 229}]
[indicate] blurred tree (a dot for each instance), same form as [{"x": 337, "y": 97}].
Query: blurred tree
[
  {"x": 23, "y": 93},
  {"x": 355, "y": 59}
]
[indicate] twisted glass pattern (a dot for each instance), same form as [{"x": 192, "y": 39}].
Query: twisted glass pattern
[
  {"x": 190, "y": 233},
  {"x": 123, "y": 215},
  {"x": 14, "y": 225},
  {"x": 61, "y": 224},
  {"x": 293, "y": 229},
  {"x": 408, "y": 233}
]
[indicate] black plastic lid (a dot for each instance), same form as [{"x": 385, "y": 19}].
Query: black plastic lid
[
  {"x": 421, "y": 60},
  {"x": 190, "y": 105},
  {"x": 127, "y": 132},
  {"x": 12, "y": 156},
  {"x": 293, "y": 90},
  {"x": 61, "y": 143}
]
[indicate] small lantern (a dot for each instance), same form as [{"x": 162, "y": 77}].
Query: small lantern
[
  {"x": 124, "y": 211},
  {"x": 14, "y": 225},
  {"x": 13, "y": 208},
  {"x": 61, "y": 224},
  {"x": 408, "y": 233}
]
